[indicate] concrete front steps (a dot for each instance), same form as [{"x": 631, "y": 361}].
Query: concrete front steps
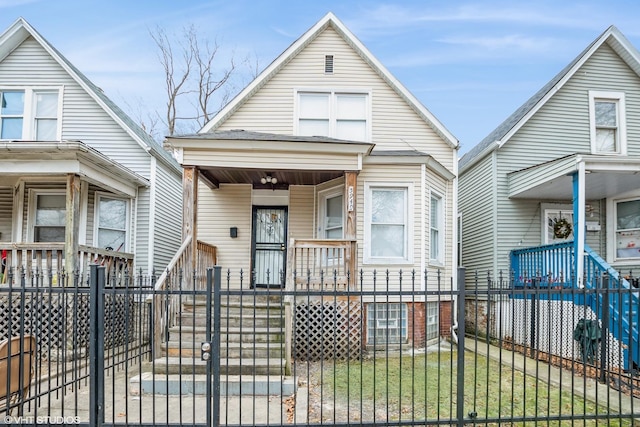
[
  {"x": 252, "y": 350},
  {"x": 232, "y": 385}
]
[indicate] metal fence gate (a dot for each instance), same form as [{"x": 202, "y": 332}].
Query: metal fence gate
[{"x": 382, "y": 349}]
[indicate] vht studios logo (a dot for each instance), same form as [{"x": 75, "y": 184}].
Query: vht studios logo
[{"x": 50, "y": 419}]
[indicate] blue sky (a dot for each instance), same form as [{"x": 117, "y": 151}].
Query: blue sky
[{"x": 471, "y": 63}]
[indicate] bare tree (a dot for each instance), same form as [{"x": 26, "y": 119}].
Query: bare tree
[
  {"x": 174, "y": 80},
  {"x": 191, "y": 68}
]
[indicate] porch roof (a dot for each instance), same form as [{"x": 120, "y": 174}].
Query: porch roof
[
  {"x": 239, "y": 156},
  {"x": 42, "y": 158},
  {"x": 606, "y": 176}
]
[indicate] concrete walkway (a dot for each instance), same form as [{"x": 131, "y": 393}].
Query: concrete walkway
[{"x": 121, "y": 406}]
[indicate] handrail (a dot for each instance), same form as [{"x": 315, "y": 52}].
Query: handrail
[{"x": 163, "y": 277}]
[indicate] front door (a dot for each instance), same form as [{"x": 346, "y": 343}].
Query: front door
[{"x": 269, "y": 246}]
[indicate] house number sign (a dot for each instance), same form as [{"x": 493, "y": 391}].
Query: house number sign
[{"x": 350, "y": 198}]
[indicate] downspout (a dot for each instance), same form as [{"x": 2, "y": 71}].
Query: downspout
[
  {"x": 454, "y": 244},
  {"x": 578, "y": 221}
]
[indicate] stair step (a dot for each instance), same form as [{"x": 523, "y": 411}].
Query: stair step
[
  {"x": 231, "y": 385},
  {"x": 199, "y": 334},
  {"x": 246, "y": 319},
  {"x": 177, "y": 365},
  {"x": 227, "y": 350},
  {"x": 261, "y": 301}
]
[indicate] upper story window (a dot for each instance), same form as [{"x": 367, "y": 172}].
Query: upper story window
[
  {"x": 339, "y": 115},
  {"x": 11, "y": 114},
  {"x": 608, "y": 122},
  {"x": 29, "y": 114}
]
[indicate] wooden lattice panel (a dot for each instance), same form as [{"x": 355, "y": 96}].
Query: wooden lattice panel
[
  {"x": 328, "y": 330},
  {"x": 61, "y": 320}
]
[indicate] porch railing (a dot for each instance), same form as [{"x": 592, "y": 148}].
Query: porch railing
[
  {"x": 43, "y": 263},
  {"x": 551, "y": 266},
  {"x": 546, "y": 265},
  {"x": 178, "y": 274},
  {"x": 318, "y": 264}
]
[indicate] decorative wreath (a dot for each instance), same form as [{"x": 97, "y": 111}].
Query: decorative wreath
[{"x": 562, "y": 229}]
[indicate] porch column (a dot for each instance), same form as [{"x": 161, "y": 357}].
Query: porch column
[
  {"x": 190, "y": 216},
  {"x": 579, "y": 222},
  {"x": 72, "y": 224},
  {"x": 350, "y": 197},
  {"x": 351, "y": 200}
]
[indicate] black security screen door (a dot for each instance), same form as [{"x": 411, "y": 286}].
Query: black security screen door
[{"x": 269, "y": 246}]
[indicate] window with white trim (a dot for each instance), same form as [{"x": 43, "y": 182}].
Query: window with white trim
[
  {"x": 387, "y": 223},
  {"x": 332, "y": 213},
  {"x": 386, "y": 323},
  {"x": 341, "y": 115},
  {"x": 607, "y": 122},
  {"x": 49, "y": 216},
  {"x": 433, "y": 320},
  {"x": 436, "y": 224},
  {"x": 627, "y": 229},
  {"x": 111, "y": 223},
  {"x": 29, "y": 114}
]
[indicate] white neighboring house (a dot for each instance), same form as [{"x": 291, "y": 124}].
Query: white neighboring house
[
  {"x": 80, "y": 181},
  {"x": 326, "y": 152}
]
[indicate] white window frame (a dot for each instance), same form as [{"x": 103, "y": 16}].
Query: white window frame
[
  {"x": 29, "y": 113},
  {"x": 96, "y": 218},
  {"x": 323, "y": 196},
  {"x": 432, "y": 313},
  {"x": 399, "y": 323},
  {"x": 440, "y": 258},
  {"x": 621, "y": 131},
  {"x": 551, "y": 209},
  {"x": 408, "y": 239},
  {"x": 33, "y": 207},
  {"x": 333, "y": 95},
  {"x": 612, "y": 229}
]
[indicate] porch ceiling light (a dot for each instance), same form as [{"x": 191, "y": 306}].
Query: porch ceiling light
[{"x": 269, "y": 180}]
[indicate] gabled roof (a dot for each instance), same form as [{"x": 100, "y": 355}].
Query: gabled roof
[
  {"x": 330, "y": 20},
  {"x": 500, "y": 135},
  {"x": 20, "y": 30}
]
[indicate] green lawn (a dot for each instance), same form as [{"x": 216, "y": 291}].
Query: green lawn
[{"x": 421, "y": 388}]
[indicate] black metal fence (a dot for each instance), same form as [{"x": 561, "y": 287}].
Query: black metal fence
[{"x": 402, "y": 348}]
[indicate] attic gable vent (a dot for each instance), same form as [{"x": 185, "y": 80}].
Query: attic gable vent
[{"x": 328, "y": 64}]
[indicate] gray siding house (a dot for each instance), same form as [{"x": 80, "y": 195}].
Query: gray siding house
[
  {"x": 80, "y": 182},
  {"x": 551, "y": 197}
]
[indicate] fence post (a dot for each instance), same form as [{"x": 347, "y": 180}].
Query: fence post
[
  {"x": 605, "y": 324},
  {"x": 461, "y": 296},
  {"x": 96, "y": 345},
  {"x": 214, "y": 285}
]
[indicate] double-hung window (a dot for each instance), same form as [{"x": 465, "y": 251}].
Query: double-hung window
[
  {"x": 49, "y": 216},
  {"x": 387, "y": 223},
  {"x": 111, "y": 220},
  {"x": 436, "y": 223},
  {"x": 627, "y": 229},
  {"x": 339, "y": 115},
  {"x": 29, "y": 114},
  {"x": 11, "y": 114},
  {"x": 607, "y": 122}
]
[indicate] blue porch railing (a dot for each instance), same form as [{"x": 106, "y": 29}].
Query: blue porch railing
[
  {"x": 552, "y": 266},
  {"x": 543, "y": 266}
]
